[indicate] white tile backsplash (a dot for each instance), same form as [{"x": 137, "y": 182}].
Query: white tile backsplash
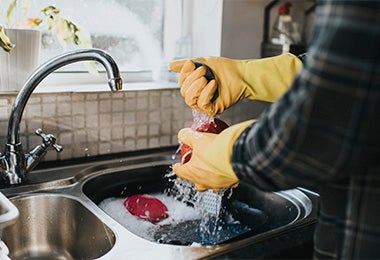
[{"x": 89, "y": 124}]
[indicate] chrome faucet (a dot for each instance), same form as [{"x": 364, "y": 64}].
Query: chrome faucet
[{"x": 14, "y": 165}]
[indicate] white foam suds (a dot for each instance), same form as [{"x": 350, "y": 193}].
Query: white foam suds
[{"x": 178, "y": 212}]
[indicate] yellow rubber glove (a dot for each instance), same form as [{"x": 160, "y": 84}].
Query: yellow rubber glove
[
  {"x": 264, "y": 79},
  {"x": 210, "y": 164}
]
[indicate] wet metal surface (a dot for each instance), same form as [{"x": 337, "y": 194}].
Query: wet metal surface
[{"x": 75, "y": 190}]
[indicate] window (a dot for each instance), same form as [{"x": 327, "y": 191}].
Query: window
[
  {"x": 130, "y": 30},
  {"x": 142, "y": 35}
]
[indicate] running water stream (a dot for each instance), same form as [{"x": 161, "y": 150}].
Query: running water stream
[{"x": 214, "y": 225}]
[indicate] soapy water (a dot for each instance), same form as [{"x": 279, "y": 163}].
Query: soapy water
[
  {"x": 182, "y": 227},
  {"x": 214, "y": 225},
  {"x": 177, "y": 211}
]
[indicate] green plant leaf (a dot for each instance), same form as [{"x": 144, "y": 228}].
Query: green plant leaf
[
  {"x": 83, "y": 40},
  {"x": 5, "y": 43},
  {"x": 11, "y": 11},
  {"x": 63, "y": 30},
  {"x": 50, "y": 10}
]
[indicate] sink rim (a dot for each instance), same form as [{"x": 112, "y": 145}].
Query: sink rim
[{"x": 9, "y": 212}]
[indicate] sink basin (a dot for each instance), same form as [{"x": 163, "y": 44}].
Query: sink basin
[
  {"x": 53, "y": 226},
  {"x": 283, "y": 209}
]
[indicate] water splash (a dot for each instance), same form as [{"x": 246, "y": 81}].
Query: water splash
[{"x": 214, "y": 221}]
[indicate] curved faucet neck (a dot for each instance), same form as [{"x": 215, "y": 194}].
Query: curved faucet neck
[{"x": 114, "y": 81}]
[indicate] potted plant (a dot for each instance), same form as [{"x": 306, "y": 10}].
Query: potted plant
[{"x": 20, "y": 39}]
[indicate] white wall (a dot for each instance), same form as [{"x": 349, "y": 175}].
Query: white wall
[
  {"x": 243, "y": 22},
  {"x": 242, "y": 28}
]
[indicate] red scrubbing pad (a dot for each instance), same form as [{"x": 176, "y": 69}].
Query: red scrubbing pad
[{"x": 146, "y": 207}]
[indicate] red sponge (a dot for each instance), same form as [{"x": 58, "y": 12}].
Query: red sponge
[{"x": 146, "y": 207}]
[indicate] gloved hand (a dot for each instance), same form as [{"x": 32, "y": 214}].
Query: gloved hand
[
  {"x": 210, "y": 164},
  {"x": 257, "y": 79}
]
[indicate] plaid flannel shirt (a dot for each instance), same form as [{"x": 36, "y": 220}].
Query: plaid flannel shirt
[{"x": 325, "y": 131}]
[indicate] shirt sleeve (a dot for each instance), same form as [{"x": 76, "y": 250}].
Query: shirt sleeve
[{"x": 327, "y": 126}]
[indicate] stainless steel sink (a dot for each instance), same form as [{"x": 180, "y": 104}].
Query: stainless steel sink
[
  {"x": 52, "y": 226},
  {"x": 60, "y": 217},
  {"x": 281, "y": 209}
]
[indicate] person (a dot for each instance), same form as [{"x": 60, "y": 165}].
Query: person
[{"x": 323, "y": 132}]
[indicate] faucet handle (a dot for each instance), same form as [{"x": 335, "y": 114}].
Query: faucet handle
[
  {"x": 49, "y": 140},
  {"x": 58, "y": 147}
]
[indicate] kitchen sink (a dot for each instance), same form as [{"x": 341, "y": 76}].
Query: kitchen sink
[
  {"x": 60, "y": 216},
  {"x": 52, "y": 226},
  {"x": 261, "y": 212}
]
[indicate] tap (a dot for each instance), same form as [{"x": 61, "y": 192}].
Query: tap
[{"x": 14, "y": 165}]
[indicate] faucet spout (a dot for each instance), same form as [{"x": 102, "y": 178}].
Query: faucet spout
[
  {"x": 114, "y": 82},
  {"x": 14, "y": 163}
]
